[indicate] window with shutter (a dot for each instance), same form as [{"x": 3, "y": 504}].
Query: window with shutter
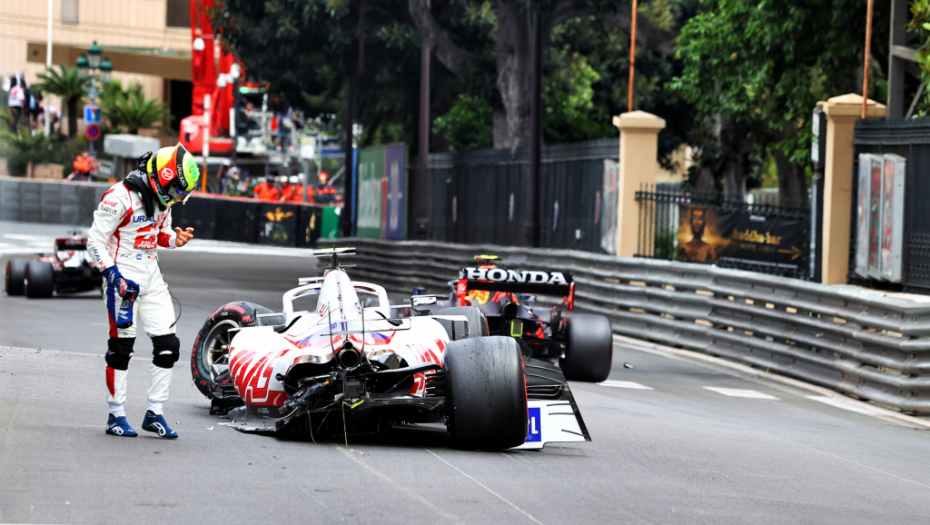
[{"x": 69, "y": 11}]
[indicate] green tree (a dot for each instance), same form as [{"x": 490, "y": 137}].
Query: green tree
[
  {"x": 755, "y": 70},
  {"x": 130, "y": 109},
  {"x": 66, "y": 83},
  {"x": 512, "y": 48},
  {"x": 468, "y": 124},
  {"x": 23, "y": 147}
]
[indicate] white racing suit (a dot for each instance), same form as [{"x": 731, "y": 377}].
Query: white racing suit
[{"x": 122, "y": 235}]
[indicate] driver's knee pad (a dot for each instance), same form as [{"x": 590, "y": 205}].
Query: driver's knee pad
[
  {"x": 167, "y": 350},
  {"x": 119, "y": 352}
]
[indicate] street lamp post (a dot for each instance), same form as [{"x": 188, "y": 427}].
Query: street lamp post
[{"x": 90, "y": 67}]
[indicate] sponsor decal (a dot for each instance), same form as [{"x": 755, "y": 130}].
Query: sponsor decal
[
  {"x": 111, "y": 203},
  {"x": 142, "y": 218},
  {"x": 107, "y": 209},
  {"x": 146, "y": 238},
  {"x": 166, "y": 175},
  {"x": 500, "y": 275},
  {"x": 481, "y": 296},
  {"x": 461, "y": 288},
  {"x": 534, "y": 425}
]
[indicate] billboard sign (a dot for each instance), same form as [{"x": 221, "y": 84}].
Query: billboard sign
[
  {"x": 893, "y": 174},
  {"x": 742, "y": 239},
  {"x": 394, "y": 215},
  {"x": 875, "y": 215},
  {"x": 609, "y": 206},
  {"x": 382, "y": 190},
  {"x": 370, "y": 175},
  {"x": 862, "y": 215}
]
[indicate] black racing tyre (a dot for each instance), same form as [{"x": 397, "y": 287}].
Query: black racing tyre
[
  {"x": 486, "y": 404},
  {"x": 40, "y": 279},
  {"x": 589, "y": 352},
  {"x": 16, "y": 276},
  {"x": 477, "y": 323},
  {"x": 212, "y": 343}
]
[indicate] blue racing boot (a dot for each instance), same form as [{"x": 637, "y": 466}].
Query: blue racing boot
[
  {"x": 118, "y": 426},
  {"x": 156, "y": 423}
]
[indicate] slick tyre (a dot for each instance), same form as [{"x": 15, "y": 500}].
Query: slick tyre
[
  {"x": 211, "y": 347},
  {"x": 40, "y": 279},
  {"x": 16, "y": 277},
  {"x": 589, "y": 352},
  {"x": 457, "y": 330},
  {"x": 485, "y": 393}
]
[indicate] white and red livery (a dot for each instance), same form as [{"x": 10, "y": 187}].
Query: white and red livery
[{"x": 347, "y": 366}]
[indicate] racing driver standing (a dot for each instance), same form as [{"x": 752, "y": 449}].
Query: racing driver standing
[{"x": 132, "y": 220}]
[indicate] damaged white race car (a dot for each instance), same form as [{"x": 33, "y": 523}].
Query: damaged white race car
[{"x": 344, "y": 369}]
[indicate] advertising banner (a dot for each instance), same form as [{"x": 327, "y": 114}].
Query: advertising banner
[
  {"x": 370, "y": 177},
  {"x": 875, "y": 216},
  {"x": 277, "y": 224},
  {"x": 309, "y": 223},
  {"x": 395, "y": 165},
  {"x": 862, "y": 215},
  {"x": 382, "y": 189},
  {"x": 743, "y": 239},
  {"x": 608, "y": 209},
  {"x": 894, "y": 170}
]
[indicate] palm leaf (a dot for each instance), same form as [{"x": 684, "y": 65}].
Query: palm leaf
[{"x": 132, "y": 110}]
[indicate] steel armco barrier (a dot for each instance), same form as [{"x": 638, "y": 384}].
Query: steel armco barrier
[{"x": 855, "y": 341}]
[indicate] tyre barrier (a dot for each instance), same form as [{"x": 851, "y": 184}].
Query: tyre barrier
[{"x": 856, "y": 341}]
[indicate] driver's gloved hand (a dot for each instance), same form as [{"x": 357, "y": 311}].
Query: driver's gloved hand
[{"x": 121, "y": 294}]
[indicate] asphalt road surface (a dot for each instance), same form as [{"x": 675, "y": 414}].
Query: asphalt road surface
[{"x": 675, "y": 439}]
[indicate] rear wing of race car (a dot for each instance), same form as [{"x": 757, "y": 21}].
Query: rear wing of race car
[
  {"x": 70, "y": 243},
  {"x": 495, "y": 279}
]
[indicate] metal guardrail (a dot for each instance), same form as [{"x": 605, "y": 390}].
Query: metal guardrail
[{"x": 858, "y": 342}]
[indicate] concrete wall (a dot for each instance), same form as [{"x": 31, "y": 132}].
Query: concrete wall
[{"x": 51, "y": 202}]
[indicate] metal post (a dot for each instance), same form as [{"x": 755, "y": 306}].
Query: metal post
[
  {"x": 346, "y": 218},
  {"x": 532, "y": 183},
  {"x": 206, "y": 142},
  {"x": 897, "y": 65},
  {"x": 865, "y": 67},
  {"x": 421, "y": 184},
  {"x": 629, "y": 103},
  {"x": 233, "y": 134},
  {"x": 48, "y": 65}
]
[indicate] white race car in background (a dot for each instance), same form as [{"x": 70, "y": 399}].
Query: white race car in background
[{"x": 344, "y": 369}]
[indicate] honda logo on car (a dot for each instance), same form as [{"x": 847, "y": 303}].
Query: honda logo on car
[{"x": 500, "y": 275}]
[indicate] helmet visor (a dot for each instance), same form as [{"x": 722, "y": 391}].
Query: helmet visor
[{"x": 183, "y": 186}]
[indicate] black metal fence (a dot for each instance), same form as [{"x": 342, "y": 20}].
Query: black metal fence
[
  {"x": 911, "y": 140},
  {"x": 668, "y": 230},
  {"x": 480, "y": 197}
]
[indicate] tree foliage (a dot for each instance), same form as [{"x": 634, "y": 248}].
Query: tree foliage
[
  {"x": 755, "y": 70},
  {"x": 130, "y": 109},
  {"x": 307, "y": 53},
  {"x": 66, "y": 83}
]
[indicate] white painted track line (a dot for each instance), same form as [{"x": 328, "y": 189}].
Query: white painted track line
[
  {"x": 739, "y": 392},
  {"x": 625, "y": 384},
  {"x": 839, "y": 403}
]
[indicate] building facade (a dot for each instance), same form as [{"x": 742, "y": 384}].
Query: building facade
[{"x": 148, "y": 41}]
